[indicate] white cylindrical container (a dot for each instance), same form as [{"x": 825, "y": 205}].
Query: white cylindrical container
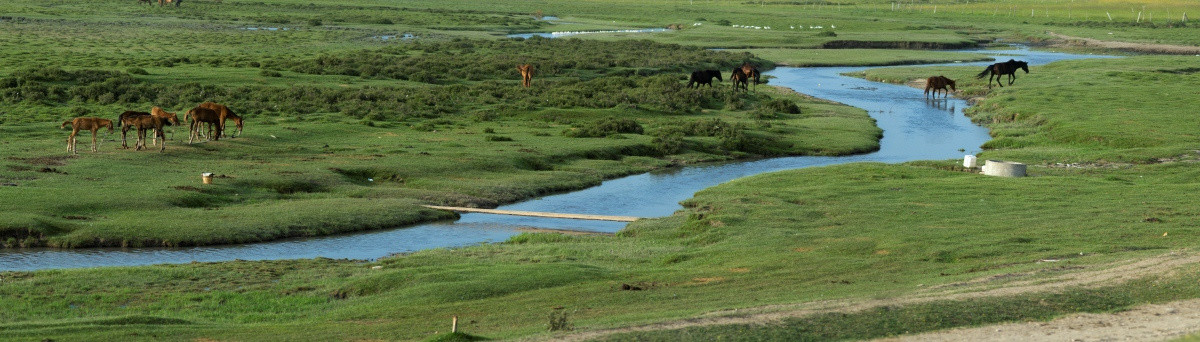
[
  {"x": 1003, "y": 169},
  {"x": 206, "y": 177},
  {"x": 969, "y": 161}
]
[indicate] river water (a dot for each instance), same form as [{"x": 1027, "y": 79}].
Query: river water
[{"x": 914, "y": 128}]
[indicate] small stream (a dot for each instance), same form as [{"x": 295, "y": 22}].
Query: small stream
[
  {"x": 914, "y": 129},
  {"x": 561, "y": 34}
]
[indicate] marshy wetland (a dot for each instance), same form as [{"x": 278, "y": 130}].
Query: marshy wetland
[{"x": 347, "y": 132}]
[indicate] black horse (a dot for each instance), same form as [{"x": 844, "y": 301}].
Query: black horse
[
  {"x": 704, "y": 77},
  {"x": 1006, "y": 68}
]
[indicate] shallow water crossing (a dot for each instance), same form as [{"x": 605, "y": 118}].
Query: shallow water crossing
[{"x": 914, "y": 129}]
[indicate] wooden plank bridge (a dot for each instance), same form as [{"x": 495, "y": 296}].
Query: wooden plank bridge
[{"x": 537, "y": 214}]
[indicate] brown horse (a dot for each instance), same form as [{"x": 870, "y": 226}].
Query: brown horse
[
  {"x": 225, "y": 113},
  {"x": 938, "y": 82},
  {"x": 526, "y": 74},
  {"x": 144, "y": 122},
  {"x": 160, "y": 113},
  {"x": 751, "y": 72},
  {"x": 91, "y": 124},
  {"x": 199, "y": 116},
  {"x": 739, "y": 79}
]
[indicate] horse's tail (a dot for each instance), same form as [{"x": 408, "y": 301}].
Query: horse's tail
[
  {"x": 985, "y": 72},
  {"x": 64, "y": 124}
]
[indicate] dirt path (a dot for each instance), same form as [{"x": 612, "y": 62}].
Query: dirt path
[
  {"x": 1145, "y": 323},
  {"x": 1126, "y": 46},
  {"x": 1152, "y": 322}
]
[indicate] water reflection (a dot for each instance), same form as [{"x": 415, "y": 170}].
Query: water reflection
[{"x": 941, "y": 104}]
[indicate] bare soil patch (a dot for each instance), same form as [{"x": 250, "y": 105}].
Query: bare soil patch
[
  {"x": 1155, "y": 322},
  {"x": 1126, "y": 46},
  {"x": 1130, "y": 325}
]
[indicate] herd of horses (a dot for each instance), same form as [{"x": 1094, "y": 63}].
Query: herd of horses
[
  {"x": 997, "y": 70},
  {"x": 213, "y": 115},
  {"x": 740, "y": 76},
  {"x": 207, "y": 117}
]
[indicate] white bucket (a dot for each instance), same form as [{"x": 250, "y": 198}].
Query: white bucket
[{"x": 969, "y": 161}]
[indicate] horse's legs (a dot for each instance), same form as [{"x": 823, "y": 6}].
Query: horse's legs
[
  {"x": 1012, "y": 77},
  {"x": 71, "y": 143},
  {"x": 94, "y": 148},
  {"x": 158, "y": 133}
]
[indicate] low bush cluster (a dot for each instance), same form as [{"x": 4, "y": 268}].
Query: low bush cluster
[{"x": 604, "y": 128}]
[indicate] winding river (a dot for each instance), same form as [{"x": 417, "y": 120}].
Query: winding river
[{"x": 914, "y": 129}]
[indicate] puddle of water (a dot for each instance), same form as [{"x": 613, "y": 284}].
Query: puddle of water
[
  {"x": 405, "y": 36},
  {"x": 266, "y": 28},
  {"x": 915, "y": 128}
]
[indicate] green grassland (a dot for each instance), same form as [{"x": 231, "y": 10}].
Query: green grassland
[
  {"x": 858, "y": 231},
  {"x": 271, "y": 178},
  {"x": 441, "y": 119}
]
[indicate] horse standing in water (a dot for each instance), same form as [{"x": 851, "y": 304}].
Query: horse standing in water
[
  {"x": 91, "y": 124},
  {"x": 939, "y": 82},
  {"x": 526, "y": 74},
  {"x": 701, "y": 77},
  {"x": 1006, "y": 68},
  {"x": 739, "y": 79},
  {"x": 751, "y": 73}
]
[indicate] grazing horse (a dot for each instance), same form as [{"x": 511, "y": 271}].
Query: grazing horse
[
  {"x": 225, "y": 113},
  {"x": 751, "y": 72},
  {"x": 700, "y": 77},
  {"x": 199, "y": 116},
  {"x": 939, "y": 82},
  {"x": 739, "y": 79},
  {"x": 1006, "y": 68},
  {"x": 526, "y": 74},
  {"x": 91, "y": 124},
  {"x": 160, "y": 113},
  {"x": 144, "y": 122}
]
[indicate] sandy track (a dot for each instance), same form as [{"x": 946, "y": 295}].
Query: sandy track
[
  {"x": 1127, "y": 46},
  {"x": 1156, "y": 322},
  {"x": 1146, "y": 323}
]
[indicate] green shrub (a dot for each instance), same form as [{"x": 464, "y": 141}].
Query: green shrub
[
  {"x": 668, "y": 144},
  {"x": 603, "y": 128}
]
